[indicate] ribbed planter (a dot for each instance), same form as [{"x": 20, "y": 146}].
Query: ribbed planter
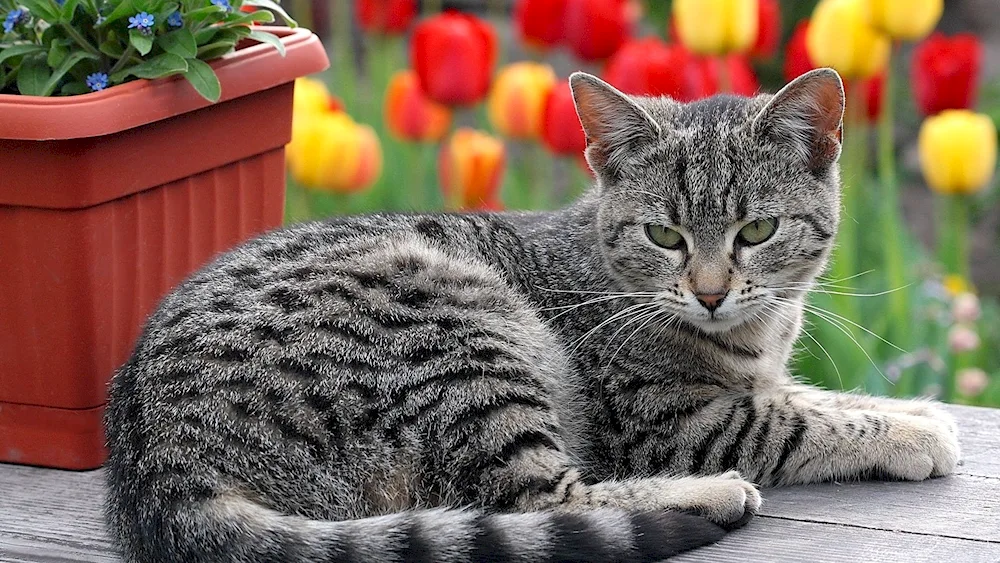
[{"x": 107, "y": 200}]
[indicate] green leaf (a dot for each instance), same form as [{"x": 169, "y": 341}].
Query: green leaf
[
  {"x": 44, "y": 9},
  {"x": 74, "y": 88},
  {"x": 69, "y": 63},
  {"x": 210, "y": 14},
  {"x": 126, "y": 8},
  {"x": 112, "y": 48},
  {"x": 215, "y": 50},
  {"x": 57, "y": 52},
  {"x": 272, "y": 5},
  {"x": 33, "y": 75},
  {"x": 265, "y": 37},
  {"x": 180, "y": 43},
  {"x": 142, "y": 42},
  {"x": 203, "y": 36},
  {"x": 156, "y": 67},
  {"x": 19, "y": 50},
  {"x": 260, "y": 16},
  {"x": 204, "y": 80},
  {"x": 68, "y": 10}
]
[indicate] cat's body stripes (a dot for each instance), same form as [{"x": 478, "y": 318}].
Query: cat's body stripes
[{"x": 496, "y": 387}]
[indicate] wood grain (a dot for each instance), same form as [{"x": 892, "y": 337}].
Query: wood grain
[{"x": 55, "y": 516}]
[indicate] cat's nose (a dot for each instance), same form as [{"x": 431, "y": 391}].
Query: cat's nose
[{"x": 711, "y": 301}]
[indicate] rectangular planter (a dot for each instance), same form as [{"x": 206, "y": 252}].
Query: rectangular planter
[{"x": 106, "y": 202}]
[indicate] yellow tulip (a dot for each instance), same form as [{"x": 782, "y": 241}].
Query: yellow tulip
[
  {"x": 470, "y": 166},
  {"x": 904, "y": 19},
  {"x": 840, "y": 36},
  {"x": 517, "y": 102},
  {"x": 958, "y": 151},
  {"x": 716, "y": 27},
  {"x": 330, "y": 152},
  {"x": 311, "y": 96}
]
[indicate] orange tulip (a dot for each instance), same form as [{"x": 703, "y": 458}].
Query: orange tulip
[
  {"x": 330, "y": 152},
  {"x": 517, "y": 102},
  {"x": 410, "y": 114},
  {"x": 471, "y": 166}
]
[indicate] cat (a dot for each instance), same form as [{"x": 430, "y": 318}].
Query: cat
[{"x": 606, "y": 382}]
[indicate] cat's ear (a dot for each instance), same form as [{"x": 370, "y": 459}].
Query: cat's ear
[
  {"x": 807, "y": 116},
  {"x": 614, "y": 124}
]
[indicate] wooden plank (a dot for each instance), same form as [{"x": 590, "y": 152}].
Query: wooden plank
[
  {"x": 979, "y": 435},
  {"x": 958, "y": 506},
  {"x": 772, "y": 540}
]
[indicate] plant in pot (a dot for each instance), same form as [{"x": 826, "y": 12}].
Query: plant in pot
[{"x": 140, "y": 138}]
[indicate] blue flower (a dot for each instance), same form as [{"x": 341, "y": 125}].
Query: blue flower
[
  {"x": 60, "y": 2},
  {"x": 14, "y": 18},
  {"x": 97, "y": 81},
  {"x": 224, "y": 4},
  {"x": 175, "y": 20},
  {"x": 143, "y": 22},
  {"x": 100, "y": 20}
]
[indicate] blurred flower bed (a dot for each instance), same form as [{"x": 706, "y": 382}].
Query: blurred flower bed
[{"x": 427, "y": 109}]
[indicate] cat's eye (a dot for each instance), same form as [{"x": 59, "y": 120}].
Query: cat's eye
[
  {"x": 757, "y": 231},
  {"x": 665, "y": 237}
]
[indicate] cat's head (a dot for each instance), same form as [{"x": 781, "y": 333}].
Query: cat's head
[{"x": 721, "y": 208}]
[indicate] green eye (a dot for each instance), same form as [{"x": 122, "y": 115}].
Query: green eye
[
  {"x": 757, "y": 231},
  {"x": 665, "y": 237}
]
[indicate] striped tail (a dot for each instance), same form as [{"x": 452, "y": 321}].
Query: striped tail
[{"x": 233, "y": 529}]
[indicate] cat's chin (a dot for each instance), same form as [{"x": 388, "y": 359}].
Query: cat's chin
[{"x": 716, "y": 325}]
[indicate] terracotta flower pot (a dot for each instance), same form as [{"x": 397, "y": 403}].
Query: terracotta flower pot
[{"x": 109, "y": 199}]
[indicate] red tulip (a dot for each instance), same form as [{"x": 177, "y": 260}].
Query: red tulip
[
  {"x": 540, "y": 22},
  {"x": 409, "y": 114},
  {"x": 595, "y": 29},
  {"x": 798, "y": 62},
  {"x": 768, "y": 29},
  {"x": 454, "y": 55},
  {"x": 561, "y": 129},
  {"x": 390, "y": 17},
  {"x": 739, "y": 78},
  {"x": 650, "y": 67},
  {"x": 945, "y": 72}
]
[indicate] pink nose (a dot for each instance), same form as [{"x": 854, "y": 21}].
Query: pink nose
[{"x": 710, "y": 301}]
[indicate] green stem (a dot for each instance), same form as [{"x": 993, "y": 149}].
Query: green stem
[
  {"x": 953, "y": 235},
  {"x": 432, "y": 7},
  {"x": 120, "y": 63},
  {"x": 893, "y": 230},
  {"x": 81, "y": 40},
  {"x": 845, "y": 255}
]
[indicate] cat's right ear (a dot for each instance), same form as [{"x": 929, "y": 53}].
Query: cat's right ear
[{"x": 614, "y": 124}]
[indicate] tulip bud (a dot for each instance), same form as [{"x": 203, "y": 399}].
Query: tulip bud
[
  {"x": 650, "y": 67},
  {"x": 965, "y": 308},
  {"x": 330, "y": 152},
  {"x": 561, "y": 129},
  {"x": 962, "y": 339},
  {"x": 467, "y": 43},
  {"x": 595, "y": 29},
  {"x": 410, "y": 114},
  {"x": 539, "y": 23},
  {"x": 839, "y": 36},
  {"x": 958, "y": 151},
  {"x": 312, "y": 96},
  {"x": 390, "y": 17},
  {"x": 971, "y": 381},
  {"x": 517, "y": 101},
  {"x": 717, "y": 27},
  {"x": 470, "y": 167},
  {"x": 945, "y": 72},
  {"x": 904, "y": 19}
]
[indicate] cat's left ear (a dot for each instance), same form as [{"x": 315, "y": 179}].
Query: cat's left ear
[{"x": 807, "y": 116}]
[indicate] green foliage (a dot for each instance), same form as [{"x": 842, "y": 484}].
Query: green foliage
[{"x": 51, "y": 47}]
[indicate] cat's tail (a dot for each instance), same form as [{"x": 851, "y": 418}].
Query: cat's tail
[{"x": 233, "y": 529}]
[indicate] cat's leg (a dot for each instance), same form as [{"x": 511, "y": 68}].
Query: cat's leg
[
  {"x": 784, "y": 436},
  {"x": 858, "y": 401}
]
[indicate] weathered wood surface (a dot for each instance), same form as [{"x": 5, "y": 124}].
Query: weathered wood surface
[{"x": 55, "y": 516}]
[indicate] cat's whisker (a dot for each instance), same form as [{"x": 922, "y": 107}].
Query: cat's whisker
[
  {"x": 784, "y": 314},
  {"x": 569, "y": 308},
  {"x": 844, "y": 293},
  {"x": 639, "y": 314},
  {"x": 649, "y": 319},
  {"x": 575, "y": 345},
  {"x": 814, "y": 308}
]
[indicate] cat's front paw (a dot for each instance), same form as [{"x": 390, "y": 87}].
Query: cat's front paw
[
  {"x": 922, "y": 447},
  {"x": 726, "y": 499}
]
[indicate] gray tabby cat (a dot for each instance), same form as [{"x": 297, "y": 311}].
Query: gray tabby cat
[{"x": 600, "y": 383}]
